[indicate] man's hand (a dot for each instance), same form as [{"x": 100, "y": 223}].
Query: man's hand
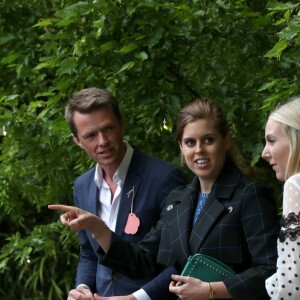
[
  {"x": 81, "y": 293},
  {"x": 76, "y": 218}
]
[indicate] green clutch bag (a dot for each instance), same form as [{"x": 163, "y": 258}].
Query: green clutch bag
[{"x": 206, "y": 268}]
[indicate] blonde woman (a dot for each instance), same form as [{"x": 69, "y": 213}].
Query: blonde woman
[{"x": 282, "y": 151}]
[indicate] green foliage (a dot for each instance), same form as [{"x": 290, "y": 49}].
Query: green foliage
[
  {"x": 29, "y": 262},
  {"x": 284, "y": 84},
  {"x": 154, "y": 56}
]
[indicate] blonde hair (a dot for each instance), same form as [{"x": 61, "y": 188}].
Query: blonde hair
[{"x": 288, "y": 114}]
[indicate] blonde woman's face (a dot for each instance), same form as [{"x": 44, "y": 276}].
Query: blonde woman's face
[{"x": 277, "y": 148}]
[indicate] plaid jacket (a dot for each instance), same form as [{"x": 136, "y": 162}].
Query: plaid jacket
[{"x": 238, "y": 225}]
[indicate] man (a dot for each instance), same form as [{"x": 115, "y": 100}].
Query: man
[{"x": 126, "y": 188}]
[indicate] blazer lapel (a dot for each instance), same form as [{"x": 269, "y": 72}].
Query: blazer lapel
[
  {"x": 181, "y": 221},
  {"x": 208, "y": 216},
  {"x": 222, "y": 190}
]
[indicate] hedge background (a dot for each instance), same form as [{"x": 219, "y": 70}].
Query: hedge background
[{"x": 154, "y": 56}]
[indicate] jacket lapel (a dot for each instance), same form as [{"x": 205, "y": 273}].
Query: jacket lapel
[
  {"x": 214, "y": 207},
  {"x": 181, "y": 220},
  {"x": 207, "y": 218}
]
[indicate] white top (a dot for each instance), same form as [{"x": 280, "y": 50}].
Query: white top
[
  {"x": 285, "y": 283},
  {"x": 108, "y": 208}
]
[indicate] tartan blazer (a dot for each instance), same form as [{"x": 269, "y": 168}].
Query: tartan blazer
[{"x": 238, "y": 225}]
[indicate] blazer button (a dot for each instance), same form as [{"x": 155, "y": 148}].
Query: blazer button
[{"x": 114, "y": 277}]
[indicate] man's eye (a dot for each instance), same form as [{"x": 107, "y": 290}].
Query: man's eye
[
  {"x": 109, "y": 129},
  {"x": 89, "y": 136}
]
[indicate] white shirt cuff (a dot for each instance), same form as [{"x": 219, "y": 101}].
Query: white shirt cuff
[
  {"x": 83, "y": 286},
  {"x": 141, "y": 295}
]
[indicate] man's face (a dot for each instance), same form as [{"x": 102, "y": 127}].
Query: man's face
[{"x": 100, "y": 134}]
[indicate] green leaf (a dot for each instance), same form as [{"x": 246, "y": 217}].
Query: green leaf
[
  {"x": 44, "y": 65},
  {"x": 10, "y": 58},
  {"x": 12, "y": 97},
  {"x": 278, "y": 6},
  {"x": 75, "y": 10},
  {"x": 126, "y": 66},
  {"x": 268, "y": 85},
  {"x": 108, "y": 46},
  {"x": 291, "y": 31},
  {"x": 6, "y": 38},
  {"x": 128, "y": 48},
  {"x": 43, "y": 23},
  {"x": 281, "y": 21},
  {"x": 68, "y": 66},
  {"x": 142, "y": 55},
  {"x": 277, "y": 49}
]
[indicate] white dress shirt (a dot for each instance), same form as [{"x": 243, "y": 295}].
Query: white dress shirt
[{"x": 109, "y": 208}]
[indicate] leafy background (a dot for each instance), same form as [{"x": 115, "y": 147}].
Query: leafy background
[{"x": 154, "y": 56}]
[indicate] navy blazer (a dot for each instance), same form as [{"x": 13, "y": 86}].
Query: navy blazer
[
  {"x": 238, "y": 225},
  {"x": 153, "y": 180}
]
